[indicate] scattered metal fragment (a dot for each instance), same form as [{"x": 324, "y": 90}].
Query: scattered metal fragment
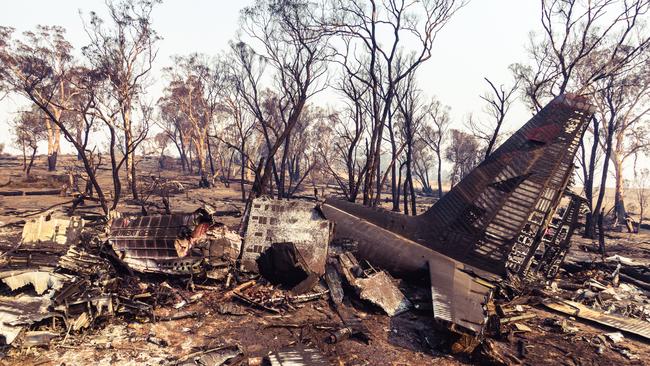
[
  {"x": 522, "y": 327},
  {"x": 297, "y": 356},
  {"x": 333, "y": 280},
  {"x": 214, "y": 356},
  {"x": 374, "y": 286},
  {"x": 81, "y": 262},
  {"x": 339, "y": 335},
  {"x": 16, "y": 313},
  {"x": 517, "y": 318},
  {"x": 276, "y": 221},
  {"x": 38, "y": 338},
  {"x": 40, "y": 281},
  {"x": 615, "y": 337},
  {"x": 229, "y": 308},
  {"x": 47, "y": 229},
  {"x": 629, "y": 325},
  {"x": 380, "y": 290}
]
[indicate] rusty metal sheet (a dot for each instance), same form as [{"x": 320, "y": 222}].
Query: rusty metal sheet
[
  {"x": 276, "y": 221},
  {"x": 630, "y": 325}
]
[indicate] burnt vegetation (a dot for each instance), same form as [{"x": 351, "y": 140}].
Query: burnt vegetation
[{"x": 305, "y": 179}]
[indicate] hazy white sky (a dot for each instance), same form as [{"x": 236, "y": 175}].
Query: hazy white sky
[{"x": 482, "y": 40}]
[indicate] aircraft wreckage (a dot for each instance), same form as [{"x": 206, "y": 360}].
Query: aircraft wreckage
[
  {"x": 497, "y": 229},
  {"x": 497, "y": 224}
]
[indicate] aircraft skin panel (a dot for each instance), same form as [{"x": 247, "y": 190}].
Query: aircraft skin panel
[{"x": 513, "y": 190}]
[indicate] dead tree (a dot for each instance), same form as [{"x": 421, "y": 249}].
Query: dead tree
[
  {"x": 161, "y": 142},
  {"x": 345, "y": 162},
  {"x": 304, "y": 156},
  {"x": 285, "y": 43},
  {"x": 238, "y": 130},
  {"x": 123, "y": 49},
  {"x": 498, "y": 102},
  {"x": 29, "y": 130},
  {"x": 33, "y": 73},
  {"x": 642, "y": 185},
  {"x": 572, "y": 31},
  {"x": 42, "y": 54},
  {"x": 631, "y": 91},
  {"x": 422, "y": 164},
  {"x": 463, "y": 153},
  {"x": 409, "y": 105},
  {"x": 434, "y": 133},
  {"x": 194, "y": 90},
  {"x": 174, "y": 124},
  {"x": 622, "y": 103},
  {"x": 375, "y": 34}
]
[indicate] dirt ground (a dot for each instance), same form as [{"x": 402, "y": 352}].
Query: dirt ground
[{"x": 407, "y": 339}]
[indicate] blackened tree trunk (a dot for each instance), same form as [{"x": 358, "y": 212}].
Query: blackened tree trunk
[
  {"x": 603, "y": 178},
  {"x": 409, "y": 176},
  {"x": 51, "y": 161},
  {"x": 31, "y": 162},
  {"x": 601, "y": 234},
  {"x": 207, "y": 137}
]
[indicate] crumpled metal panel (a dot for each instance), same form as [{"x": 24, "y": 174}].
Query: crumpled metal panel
[
  {"x": 163, "y": 236},
  {"x": 277, "y": 221},
  {"x": 162, "y": 243},
  {"x": 17, "y": 312},
  {"x": 458, "y": 296},
  {"x": 380, "y": 290}
]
